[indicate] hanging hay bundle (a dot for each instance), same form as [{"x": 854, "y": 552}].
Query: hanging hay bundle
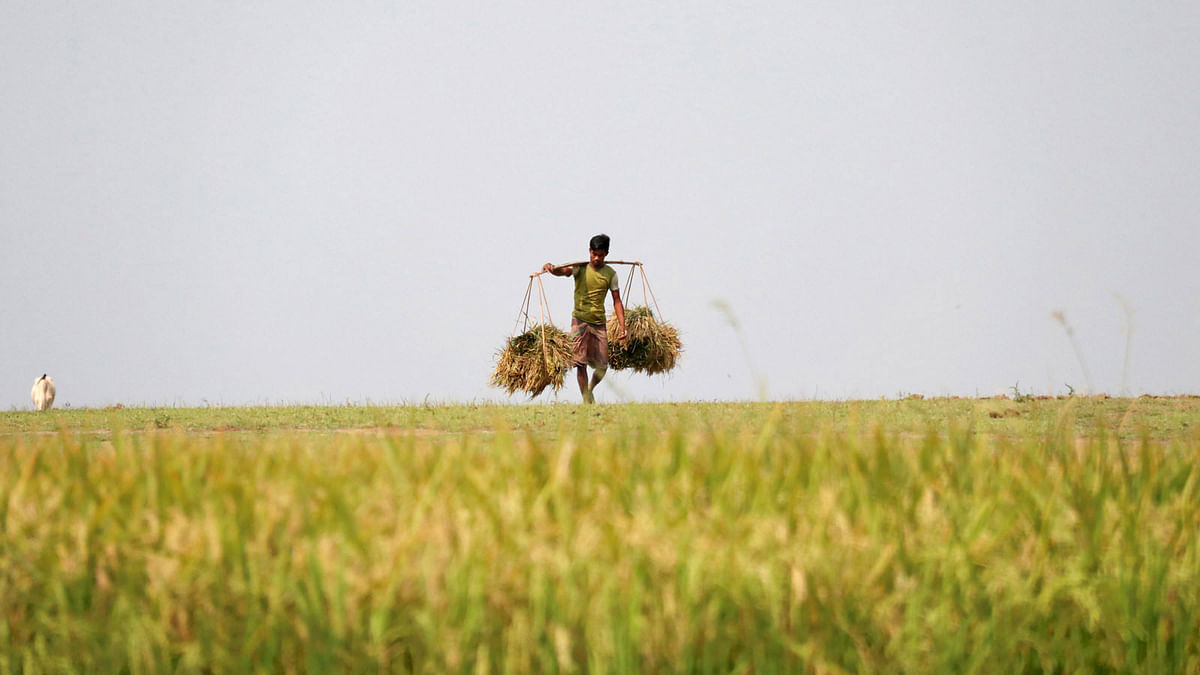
[
  {"x": 530, "y": 362},
  {"x": 649, "y": 346}
]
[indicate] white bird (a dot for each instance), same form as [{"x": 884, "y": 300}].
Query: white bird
[{"x": 43, "y": 392}]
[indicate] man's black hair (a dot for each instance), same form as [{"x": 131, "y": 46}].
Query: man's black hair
[{"x": 599, "y": 242}]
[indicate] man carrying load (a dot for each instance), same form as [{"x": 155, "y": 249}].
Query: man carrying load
[{"x": 589, "y": 332}]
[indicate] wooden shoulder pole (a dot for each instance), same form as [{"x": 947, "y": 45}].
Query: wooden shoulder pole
[{"x": 606, "y": 262}]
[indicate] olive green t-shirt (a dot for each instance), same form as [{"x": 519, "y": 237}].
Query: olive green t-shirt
[{"x": 591, "y": 285}]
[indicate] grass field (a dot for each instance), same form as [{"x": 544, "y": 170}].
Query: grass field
[
  {"x": 1159, "y": 417},
  {"x": 938, "y": 535}
]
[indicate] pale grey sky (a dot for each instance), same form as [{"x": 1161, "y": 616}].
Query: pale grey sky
[{"x": 302, "y": 202}]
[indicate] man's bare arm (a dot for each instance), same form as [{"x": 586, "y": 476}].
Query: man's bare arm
[
  {"x": 558, "y": 271},
  {"x": 619, "y": 309}
]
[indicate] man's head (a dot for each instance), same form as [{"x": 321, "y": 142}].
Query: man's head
[
  {"x": 599, "y": 243},
  {"x": 597, "y": 250}
]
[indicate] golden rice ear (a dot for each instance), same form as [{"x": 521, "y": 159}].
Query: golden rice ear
[{"x": 534, "y": 360}]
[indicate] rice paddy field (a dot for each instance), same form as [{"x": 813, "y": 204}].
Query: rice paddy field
[{"x": 890, "y": 536}]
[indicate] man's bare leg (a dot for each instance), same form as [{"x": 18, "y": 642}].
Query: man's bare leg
[
  {"x": 598, "y": 375},
  {"x": 584, "y": 389}
]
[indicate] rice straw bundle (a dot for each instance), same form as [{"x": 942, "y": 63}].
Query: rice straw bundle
[
  {"x": 649, "y": 346},
  {"x": 530, "y": 363}
]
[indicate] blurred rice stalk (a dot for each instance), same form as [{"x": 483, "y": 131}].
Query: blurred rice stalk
[{"x": 776, "y": 549}]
